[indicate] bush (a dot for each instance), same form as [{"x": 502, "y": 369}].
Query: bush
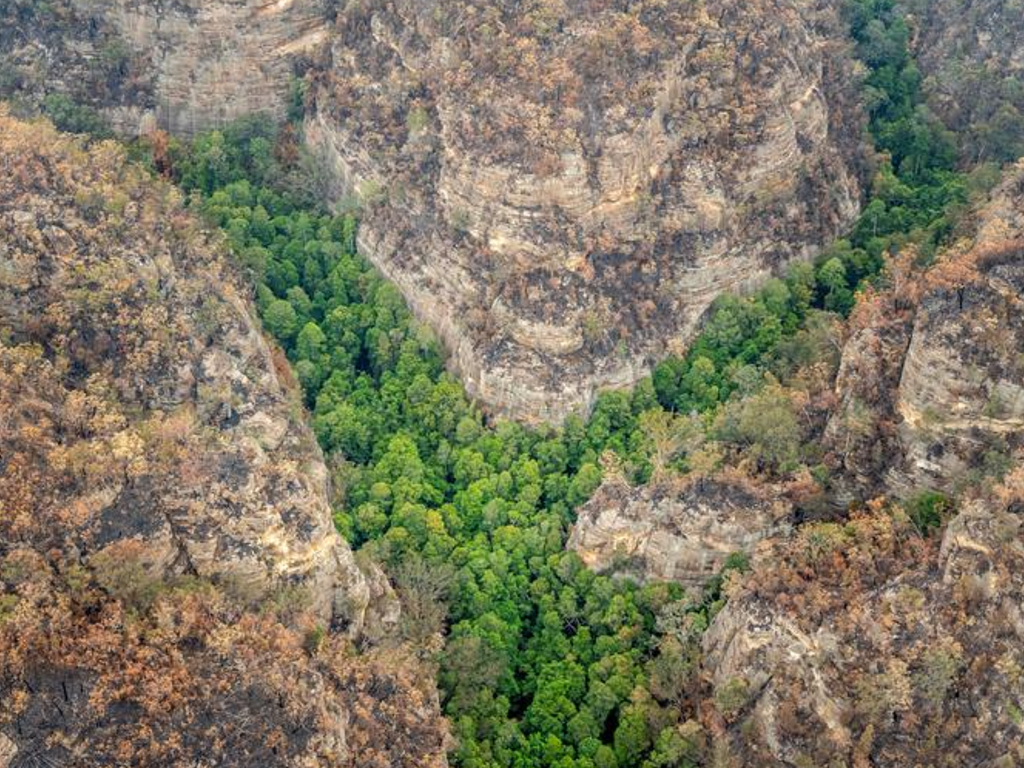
[
  {"x": 929, "y": 510},
  {"x": 731, "y": 697},
  {"x": 73, "y": 117}
]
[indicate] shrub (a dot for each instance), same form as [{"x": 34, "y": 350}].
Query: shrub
[
  {"x": 73, "y": 117},
  {"x": 929, "y": 510}
]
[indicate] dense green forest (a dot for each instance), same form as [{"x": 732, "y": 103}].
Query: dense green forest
[{"x": 546, "y": 663}]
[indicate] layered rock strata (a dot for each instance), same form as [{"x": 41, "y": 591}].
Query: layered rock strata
[
  {"x": 675, "y": 530},
  {"x": 931, "y": 384},
  {"x": 561, "y": 191},
  {"x": 213, "y": 62},
  {"x": 182, "y": 65}
]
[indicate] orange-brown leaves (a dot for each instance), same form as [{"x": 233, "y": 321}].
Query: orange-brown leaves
[
  {"x": 830, "y": 564},
  {"x": 957, "y": 270}
]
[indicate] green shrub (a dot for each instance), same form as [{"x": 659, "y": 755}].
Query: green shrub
[
  {"x": 73, "y": 117},
  {"x": 929, "y": 510}
]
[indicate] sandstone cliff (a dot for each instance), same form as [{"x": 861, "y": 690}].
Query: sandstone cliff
[
  {"x": 182, "y": 65},
  {"x": 157, "y": 484},
  {"x": 213, "y": 62},
  {"x": 139, "y": 364},
  {"x": 961, "y": 393},
  {"x": 675, "y": 530},
  {"x": 561, "y": 189},
  {"x": 862, "y": 644},
  {"x": 931, "y": 385}
]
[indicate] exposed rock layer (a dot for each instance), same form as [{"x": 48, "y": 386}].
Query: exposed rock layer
[
  {"x": 675, "y": 530},
  {"x": 213, "y": 62},
  {"x": 931, "y": 384},
  {"x": 961, "y": 393},
  {"x": 182, "y": 65},
  {"x": 562, "y": 191}
]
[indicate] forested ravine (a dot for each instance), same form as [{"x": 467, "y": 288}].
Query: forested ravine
[
  {"x": 796, "y": 542},
  {"x": 540, "y": 661}
]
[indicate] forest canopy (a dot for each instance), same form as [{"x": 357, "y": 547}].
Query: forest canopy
[{"x": 546, "y": 663}]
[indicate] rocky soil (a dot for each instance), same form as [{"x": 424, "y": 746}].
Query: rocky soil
[
  {"x": 52, "y": 48},
  {"x": 148, "y": 371}
]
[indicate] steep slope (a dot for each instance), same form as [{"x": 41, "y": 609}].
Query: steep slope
[
  {"x": 865, "y": 642},
  {"x": 862, "y": 644},
  {"x": 185, "y": 66},
  {"x": 930, "y": 381},
  {"x": 561, "y": 189},
  {"x": 52, "y": 54},
  {"x": 971, "y": 54},
  {"x": 157, "y": 486},
  {"x": 213, "y": 62},
  {"x": 149, "y": 371}
]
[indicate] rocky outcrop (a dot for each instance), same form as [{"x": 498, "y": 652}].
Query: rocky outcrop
[
  {"x": 169, "y": 569},
  {"x": 930, "y": 385},
  {"x": 678, "y": 530},
  {"x": 961, "y": 394},
  {"x": 861, "y": 432},
  {"x": 971, "y": 53},
  {"x": 561, "y": 191},
  {"x": 182, "y": 65},
  {"x": 862, "y": 644}
]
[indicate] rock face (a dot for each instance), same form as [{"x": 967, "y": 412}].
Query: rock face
[
  {"x": 52, "y": 49},
  {"x": 561, "y": 189},
  {"x": 675, "y": 530},
  {"x": 168, "y": 562},
  {"x": 213, "y": 62},
  {"x": 971, "y": 53},
  {"x": 861, "y": 644},
  {"x": 183, "y": 65},
  {"x": 961, "y": 394},
  {"x": 933, "y": 390},
  {"x": 861, "y": 433},
  {"x": 158, "y": 412}
]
